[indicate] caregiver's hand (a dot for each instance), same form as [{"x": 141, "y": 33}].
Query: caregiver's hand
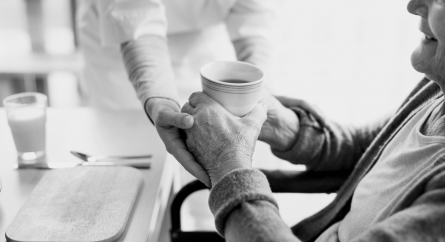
[
  {"x": 282, "y": 125},
  {"x": 168, "y": 120},
  {"x": 219, "y": 141}
]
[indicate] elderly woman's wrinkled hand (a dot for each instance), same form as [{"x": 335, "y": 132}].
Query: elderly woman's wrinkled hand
[
  {"x": 281, "y": 128},
  {"x": 220, "y": 141}
]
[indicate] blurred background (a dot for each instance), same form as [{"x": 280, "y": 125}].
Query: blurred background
[
  {"x": 328, "y": 52},
  {"x": 38, "y": 51},
  {"x": 351, "y": 58}
]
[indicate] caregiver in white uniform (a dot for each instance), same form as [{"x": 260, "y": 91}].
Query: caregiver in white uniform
[{"x": 143, "y": 51}]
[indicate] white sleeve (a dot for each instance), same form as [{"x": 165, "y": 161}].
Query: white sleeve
[
  {"x": 124, "y": 20},
  {"x": 252, "y": 18}
]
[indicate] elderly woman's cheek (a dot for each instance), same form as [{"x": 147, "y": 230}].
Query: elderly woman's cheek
[{"x": 437, "y": 21}]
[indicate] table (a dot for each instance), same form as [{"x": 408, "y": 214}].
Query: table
[{"x": 95, "y": 132}]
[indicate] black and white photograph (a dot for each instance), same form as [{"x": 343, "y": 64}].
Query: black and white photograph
[{"x": 222, "y": 120}]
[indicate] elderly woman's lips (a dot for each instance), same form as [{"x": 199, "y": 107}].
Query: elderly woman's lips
[
  {"x": 430, "y": 37},
  {"x": 429, "y": 40}
]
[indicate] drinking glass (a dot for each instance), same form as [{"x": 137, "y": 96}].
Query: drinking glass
[{"x": 26, "y": 113}]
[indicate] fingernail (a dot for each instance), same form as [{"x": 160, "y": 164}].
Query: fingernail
[{"x": 187, "y": 121}]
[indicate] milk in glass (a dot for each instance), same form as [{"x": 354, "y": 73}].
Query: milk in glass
[
  {"x": 28, "y": 128},
  {"x": 26, "y": 114}
]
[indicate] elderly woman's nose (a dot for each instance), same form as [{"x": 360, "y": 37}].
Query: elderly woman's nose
[{"x": 417, "y": 7}]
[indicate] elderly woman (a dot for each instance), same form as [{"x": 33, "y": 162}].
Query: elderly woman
[{"x": 396, "y": 191}]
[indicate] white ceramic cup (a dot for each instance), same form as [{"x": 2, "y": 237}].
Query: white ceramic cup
[{"x": 235, "y": 85}]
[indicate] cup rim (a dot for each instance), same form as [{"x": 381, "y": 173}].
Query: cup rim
[
  {"x": 228, "y": 83},
  {"x": 41, "y": 97}
]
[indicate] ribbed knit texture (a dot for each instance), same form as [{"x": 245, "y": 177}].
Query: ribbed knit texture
[
  {"x": 149, "y": 68},
  {"x": 234, "y": 188}
]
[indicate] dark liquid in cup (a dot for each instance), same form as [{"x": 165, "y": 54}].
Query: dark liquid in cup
[{"x": 235, "y": 81}]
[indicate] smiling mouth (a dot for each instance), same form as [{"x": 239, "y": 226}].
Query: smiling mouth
[{"x": 430, "y": 38}]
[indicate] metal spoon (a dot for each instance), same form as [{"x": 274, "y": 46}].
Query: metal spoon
[
  {"x": 97, "y": 158},
  {"x": 70, "y": 164}
]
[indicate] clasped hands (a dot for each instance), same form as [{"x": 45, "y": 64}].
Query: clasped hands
[{"x": 217, "y": 142}]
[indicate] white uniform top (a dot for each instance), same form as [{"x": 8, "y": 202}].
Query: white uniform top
[{"x": 198, "y": 31}]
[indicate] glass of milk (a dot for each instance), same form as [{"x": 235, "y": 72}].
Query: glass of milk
[{"x": 26, "y": 114}]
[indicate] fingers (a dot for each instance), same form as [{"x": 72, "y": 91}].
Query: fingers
[
  {"x": 258, "y": 115},
  {"x": 176, "y": 146},
  {"x": 199, "y": 98},
  {"x": 289, "y": 102},
  {"x": 188, "y": 162},
  {"x": 269, "y": 102},
  {"x": 187, "y": 108},
  {"x": 170, "y": 117}
]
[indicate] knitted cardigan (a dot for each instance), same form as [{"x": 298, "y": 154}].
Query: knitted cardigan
[{"x": 245, "y": 210}]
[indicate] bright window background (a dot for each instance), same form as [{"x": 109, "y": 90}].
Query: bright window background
[
  {"x": 351, "y": 58},
  {"x": 14, "y": 37}
]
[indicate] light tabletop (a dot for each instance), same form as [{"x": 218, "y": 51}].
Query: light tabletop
[{"x": 93, "y": 132}]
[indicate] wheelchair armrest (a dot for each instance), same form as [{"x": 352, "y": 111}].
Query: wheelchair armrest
[
  {"x": 280, "y": 182},
  {"x": 176, "y": 233},
  {"x": 178, "y": 200}
]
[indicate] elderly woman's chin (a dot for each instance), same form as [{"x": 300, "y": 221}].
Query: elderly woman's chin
[{"x": 428, "y": 61}]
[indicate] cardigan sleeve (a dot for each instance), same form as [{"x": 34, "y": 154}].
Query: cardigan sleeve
[
  {"x": 323, "y": 145},
  {"x": 245, "y": 209}
]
